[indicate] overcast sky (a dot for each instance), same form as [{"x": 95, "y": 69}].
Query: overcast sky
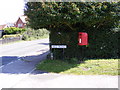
[{"x": 10, "y": 10}]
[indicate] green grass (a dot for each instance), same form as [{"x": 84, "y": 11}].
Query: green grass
[{"x": 89, "y": 67}]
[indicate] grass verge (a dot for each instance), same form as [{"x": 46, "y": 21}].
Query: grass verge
[{"x": 89, "y": 67}]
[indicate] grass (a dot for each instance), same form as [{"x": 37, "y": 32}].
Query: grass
[{"x": 89, "y": 67}]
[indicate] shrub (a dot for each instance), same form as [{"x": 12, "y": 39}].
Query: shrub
[
  {"x": 73, "y": 60},
  {"x": 13, "y": 30},
  {"x": 101, "y": 45},
  {"x": 31, "y": 34},
  {"x": 13, "y": 35},
  {"x": 65, "y": 19}
]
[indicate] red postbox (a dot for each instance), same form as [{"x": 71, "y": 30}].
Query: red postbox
[{"x": 82, "y": 38}]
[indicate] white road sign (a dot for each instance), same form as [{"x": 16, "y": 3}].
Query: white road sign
[{"x": 58, "y": 46}]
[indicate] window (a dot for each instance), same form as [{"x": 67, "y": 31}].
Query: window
[{"x": 20, "y": 25}]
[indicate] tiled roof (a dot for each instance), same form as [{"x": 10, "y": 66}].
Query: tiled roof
[{"x": 23, "y": 18}]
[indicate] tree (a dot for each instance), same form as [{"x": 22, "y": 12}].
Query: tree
[
  {"x": 71, "y": 14},
  {"x": 69, "y": 18}
]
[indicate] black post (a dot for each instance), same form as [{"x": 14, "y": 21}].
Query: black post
[
  {"x": 54, "y": 54},
  {"x": 83, "y": 53},
  {"x": 63, "y": 53}
]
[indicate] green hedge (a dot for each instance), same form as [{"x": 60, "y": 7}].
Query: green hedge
[
  {"x": 65, "y": 19},
  {"x": 32, "y": 34},
  {"x": 12, "y": 35},
  {"x": 13, "y": 30},
  {"x": 102, "y": 44}
]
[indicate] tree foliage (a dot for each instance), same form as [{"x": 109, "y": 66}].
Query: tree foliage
[
  {"x": 65, "y": 19},
  {"x": 74, "y": 15}
]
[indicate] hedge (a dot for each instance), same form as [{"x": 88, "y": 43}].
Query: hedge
[
  {"x": 31, "y": 34},
  {"x": 101, "y": 45},
  {"x": 13, "y": 30},
  {"x": 12, "y": 35},
  {"x": 65, "y": 19}
]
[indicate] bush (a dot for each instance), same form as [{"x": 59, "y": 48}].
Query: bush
[
  {"x": 73, "y": 60},
  {"x": 13, "y": 35},
  {"x": 31, "y": 34},
  {"x": 13, "y": 30},
  {"x": 64, "y": 20},
  {"x": 102, "y": 44}
]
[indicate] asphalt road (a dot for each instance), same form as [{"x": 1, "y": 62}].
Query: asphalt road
[
  {"x": 17, "y": 73},
  {"x": 12, "y": 52}
]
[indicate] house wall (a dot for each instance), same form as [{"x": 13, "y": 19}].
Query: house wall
[{"x": 20, "y": 24}]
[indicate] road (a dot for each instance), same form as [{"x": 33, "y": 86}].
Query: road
[
  {"x": 12, "y": 52},
  {"x": 16, "y": 73},
  {"x": 23, "y": 48}
]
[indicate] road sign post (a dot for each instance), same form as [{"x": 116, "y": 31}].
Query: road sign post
[{"x": 58, "y": 47}]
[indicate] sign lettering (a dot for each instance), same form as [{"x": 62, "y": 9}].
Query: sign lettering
[{"x": 58, "y": 46}]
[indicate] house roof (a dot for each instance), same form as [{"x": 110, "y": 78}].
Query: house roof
[
  {"x": 12, "y": 24},
  {"x": 23, "y": 18}
]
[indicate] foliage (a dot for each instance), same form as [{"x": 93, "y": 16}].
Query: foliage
[
  {"x": 31, "y": 34},
  {"x": 74, "y": 15},
  {"x": 73, "y": 60},
  {"x": 65, "y": 19},
  {"x": 13, "y": 30},
  {"x": 89, "y": 67},
  {"x": 12, "y": 35}
]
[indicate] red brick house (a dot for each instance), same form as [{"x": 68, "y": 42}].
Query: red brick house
[{"x": 21, "y": 22}]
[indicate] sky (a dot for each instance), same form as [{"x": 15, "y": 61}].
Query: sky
[{"x": 10, "y": 10}]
